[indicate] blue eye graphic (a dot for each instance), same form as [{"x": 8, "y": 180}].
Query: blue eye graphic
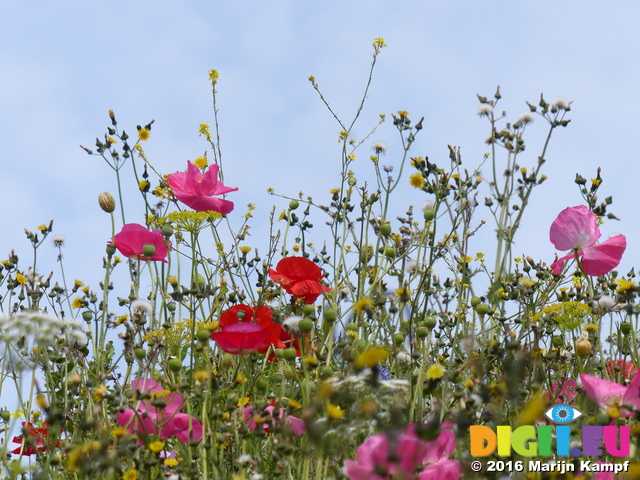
[{"x": 563, "y": 414}]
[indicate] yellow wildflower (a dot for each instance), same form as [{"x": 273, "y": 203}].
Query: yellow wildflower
[
  {"x": 371, "y": 357},
  {"x": 363, "y": 304},
  {"x": 201, "y": 162},
  {"x": 334, "y": 411},
  {"x": 144, "y": 134},
  {"x": 131, "y": 474},
  {"x": 435, "y": 372},
  {"x": 144, "y": 185},
  {"x": 244, "y": 249},
  {"x": 78, "y": 302},
  {"x": 214, "y": 76},
  {"x": 20, "y": 278},
  {"x": 156, "y": 446},
  {"x": 42, "y": 228},
  {"x": 624, "y": 285},
  {"x": 119, "y": 432},
  {"x": 170, "y": 462},
  {"x": 416, "y": 180}
]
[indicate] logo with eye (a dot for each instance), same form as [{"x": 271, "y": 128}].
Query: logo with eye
[{"x": 563, "y": 414}]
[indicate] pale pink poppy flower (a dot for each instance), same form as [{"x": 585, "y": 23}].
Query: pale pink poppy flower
[
  {"x": 132, "y": 239},
  {"x": 576, "y": 229},
  {"x": 399, "y": 456},
  {"x": 164, "y": 422},
  {"x": 196, "y": 189},
  {"x": 610, "y": 394},
  {"x": 296, "y": 425}
]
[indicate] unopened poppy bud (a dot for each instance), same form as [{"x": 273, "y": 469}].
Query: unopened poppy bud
[
  {"x": 483, "y": 309},
  {"x": 385, "y": 229},
  {"x": 430, "y": 322},
  {"x": 87, "y": 316},
  {"x": 289, "y": 353},
  {"x": 140, "y": 353},
  {"x": 308, "y": 310},
  {"x": 203, "y": 335},
  {"x": 293, "y": 204},
  {"x": 305, "y": 325},
  {"x": 330, "y": 316},
  {"x": 149, "y": 250},
  {"x": 106, "y": 201},
  {"x": 175, "y": 364},
  {"x": 429, "y": 214},
  {"x": 422, "y": 332},
  {"x": 167, "y": 230}
]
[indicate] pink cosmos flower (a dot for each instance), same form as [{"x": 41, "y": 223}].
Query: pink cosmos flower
[
  {"x": 576, "y": 229},
  {"x": 610, "y": 394},
  {"x": 387, "y": 456},
  {"x": 132, "y": 239},
  {"x": 294, "y": 423},
  {"x": 196, "y": 189},
  {"x": 164, "y": 422}
]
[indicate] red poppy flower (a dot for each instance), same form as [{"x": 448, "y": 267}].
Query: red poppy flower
[
  {"x": 299, "y": 277},
  {"x": 132, "y": 239},
  {"x": 37, "y": 442},
  {"x": 247, "y": 329}
]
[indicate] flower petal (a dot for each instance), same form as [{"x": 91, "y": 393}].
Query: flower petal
[
  {"x": 574, "y": 228},
  {"x": 632, "y": 395},
  {"x": 603, "y": 392},
  {"x": 558, "y": 265},
  {"x": 601, "y": 259}
]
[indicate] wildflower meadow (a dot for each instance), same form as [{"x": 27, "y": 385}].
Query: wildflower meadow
[{"x": 364, "y": 338}]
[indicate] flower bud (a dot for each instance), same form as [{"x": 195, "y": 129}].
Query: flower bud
[
  {"x": 203, "y": 335},
  {"x": 149, "y": 250},
  {"x": 293, "y": 204},
  {"x": 625, "y": 328},
  {"x": 330, "y": 316},
  {"x": 352, "y": 181},
  {"x": 385, "y": 229},
  {"x": 111, "y": 250},
  {"x": 305, "y": 325},
  {"x": 175, "y": 364},
  {"x": 140, "y": 353},
  {"x": 430, "y": 322},
  {"x": 482, "y": 309},
  {"x": 583, "y": 346},
  {"x": 167, "y": 230},
  {"x": 289, "y": 354},
  {"x": 106, "y": 201},
  {"x": 429, "y": 214}
]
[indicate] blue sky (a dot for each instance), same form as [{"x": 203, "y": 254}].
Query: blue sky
[{"x": 65, "y": 64}]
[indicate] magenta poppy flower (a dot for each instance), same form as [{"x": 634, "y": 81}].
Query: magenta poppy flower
[
  {"x": 164, "y": 422},
  {"x": 296, "y": 425},
  {"x": 196, "y": 189},
  {"x": 576, "y": 229},
  {"x": 241, "y": 338},
  {"x": 610, "y": 394},
  {"x": 132, "y": 239}
]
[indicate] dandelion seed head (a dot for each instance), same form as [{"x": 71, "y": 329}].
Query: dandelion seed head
[
  {"x": 484, "y": 110},
  {"x": 526, "y": 117},
  {"x": 141, "y": 306},
  {"x": 561, "y": 103}
]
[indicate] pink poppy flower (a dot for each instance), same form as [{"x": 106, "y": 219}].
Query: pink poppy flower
[
  {"x": 132, "y": 239},
  {"x": 564, "y": 393},
  {"x": 576, "y": 229},
  {"x": 164, "y": 422},
  {"x": 610, "y": 394},
  {"x": 386, "y": 456},
  {"x": 296, "y": 425},
  {"x": 196, "y": 189}
]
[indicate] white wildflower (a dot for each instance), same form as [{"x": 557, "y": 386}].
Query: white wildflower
[
  {"x": 606, "y": 303},
  {"x": 411, "y": 266},
  {"x": 428, "y": 205},
  {"x": 58, "y": 240},
  {"x": 291, "y": 323},
  {"x": 402, "y": 356},
  {"x": 561, "y": 103},
  {"x": 141, "y": 306},
  {"x": 379, "y": 147},
  {"x": 526, "y": 117},
  {"x": 485, "y": 110}
]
